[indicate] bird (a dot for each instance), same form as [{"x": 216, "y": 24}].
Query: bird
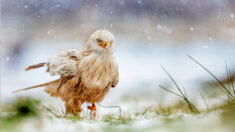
[{"x": 86, "y": 75}]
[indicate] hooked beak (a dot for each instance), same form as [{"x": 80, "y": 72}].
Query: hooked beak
[{"x": 104, "y": 44}]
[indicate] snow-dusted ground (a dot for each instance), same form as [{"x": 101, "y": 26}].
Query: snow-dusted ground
[
  {"x": 185, "y": 123},
  {"x": 150, "y": 121}
]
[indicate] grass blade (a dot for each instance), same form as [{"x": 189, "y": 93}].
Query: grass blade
[
  {"x": 221, "y": 84},
  {"x": 232, "y": 80},
  {"x": 170, "y": 91},
  {"x": 119, "y": 107},
  {"x": 51, "y": 111},
  {"x": 204, "y": 100},
  {"x": 177, "y": 86},
  {"x": 190, "y": 105},
  {"x": 146, "y": 110}
]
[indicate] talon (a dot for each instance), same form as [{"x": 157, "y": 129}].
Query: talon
[{"x": 92, "y": 108}]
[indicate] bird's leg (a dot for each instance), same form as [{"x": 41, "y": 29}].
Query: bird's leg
[
  {"x": 68, "y": 108},
  {"x": 73, "y": 106},
  {"x": 92, "y": 108}
]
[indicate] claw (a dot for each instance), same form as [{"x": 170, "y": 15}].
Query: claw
[{"x": 92, "y": 108}]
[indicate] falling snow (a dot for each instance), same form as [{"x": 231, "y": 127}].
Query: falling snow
[
  {"x": 210, "y": 38},
  {"x": 232, "y": 16},
  {"x": 50, "y": 31},
  {"x": 164, "y": 29},
  {"x": 139, "y": 1},
  {"x": 148, "y": 33},
  {"x": 7, "y": 58},
  {"x": 191, "y": 28}
]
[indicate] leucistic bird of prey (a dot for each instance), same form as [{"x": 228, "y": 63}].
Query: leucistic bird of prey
[{"x": 85, "y": 75}]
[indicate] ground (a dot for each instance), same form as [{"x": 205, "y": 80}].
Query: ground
[{"x": 27, "y": 114}]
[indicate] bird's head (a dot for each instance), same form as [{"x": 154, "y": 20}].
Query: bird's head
[{"x": 101, "y": 40}]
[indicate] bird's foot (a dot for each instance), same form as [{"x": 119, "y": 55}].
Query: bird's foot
[{"x": 92, "y": 108}]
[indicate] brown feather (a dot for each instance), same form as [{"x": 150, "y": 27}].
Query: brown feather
[
  {"x": 37, "y": 86},
  {"x": 34, "y": 66},
  {"x": 63, "y": 81}
]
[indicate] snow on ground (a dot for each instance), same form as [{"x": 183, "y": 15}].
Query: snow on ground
[{"x": 209, "y": 122}]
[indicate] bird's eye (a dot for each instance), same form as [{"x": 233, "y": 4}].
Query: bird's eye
[{"x": 98, "y": 40}]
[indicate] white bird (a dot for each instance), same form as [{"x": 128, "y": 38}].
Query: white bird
[{"x": 86, "y": 75}]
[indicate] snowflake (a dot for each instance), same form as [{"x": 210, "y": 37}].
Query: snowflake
[
  {"x": 7, "y": 58},
  {"x": 210, "y": 38},
  {"x": 139, "y": 1},
  {"x": 191, "y": 29},
  {"x": 232, "y": 16}
]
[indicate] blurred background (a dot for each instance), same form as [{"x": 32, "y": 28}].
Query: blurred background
[{"x": 149, "y": 33}]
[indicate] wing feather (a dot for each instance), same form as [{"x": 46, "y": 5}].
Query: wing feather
[
  {"x": 116, "y": 77},
  {"x": 65, "y": 63}
]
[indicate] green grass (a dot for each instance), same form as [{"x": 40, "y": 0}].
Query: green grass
[
  {"x": 18, "y": 110},
  {"x": 228, "y": 90},
  {"x": 225, "y": 89},
  {"x": 182, "y": 95},
  {"x": 126, "y": 122}
]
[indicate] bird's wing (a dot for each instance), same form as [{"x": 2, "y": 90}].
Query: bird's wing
[
  {"x": 65, "y": 63},
  {"x": 116, "y": 77}
]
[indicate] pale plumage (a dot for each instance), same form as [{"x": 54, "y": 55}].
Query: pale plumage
[
  {"x": 86, "y": 75},
  {"x": 64, "y": 63}
]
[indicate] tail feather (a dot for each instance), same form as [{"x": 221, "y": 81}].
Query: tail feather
[
  {"x": 34, "y": 66},
  {"x": 58, "y": 89},
  {"x": 37, "y": 86}
]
